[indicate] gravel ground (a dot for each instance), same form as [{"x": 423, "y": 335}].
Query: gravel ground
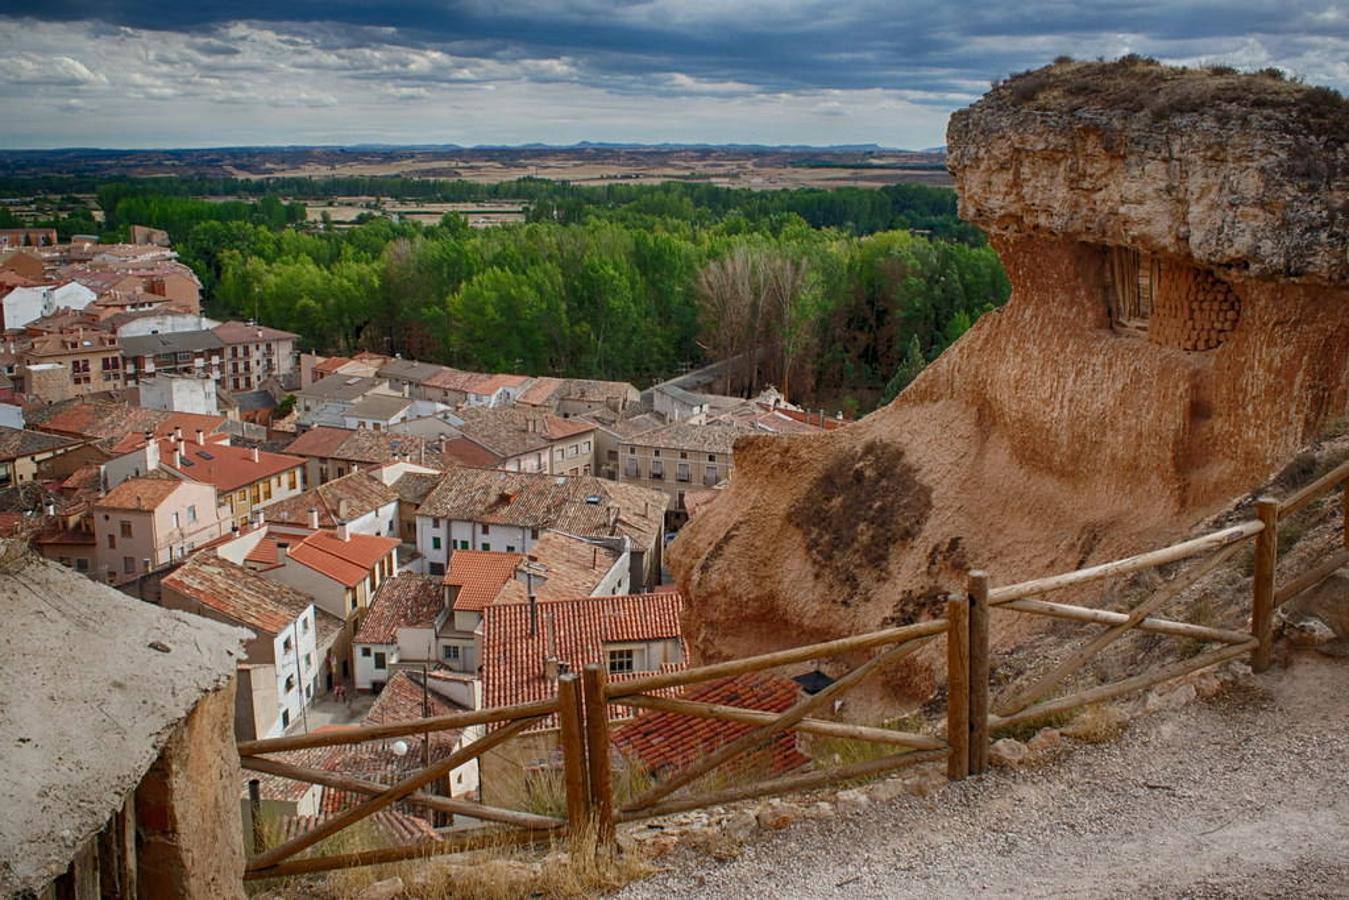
[{"x": 1245, "y": 795}]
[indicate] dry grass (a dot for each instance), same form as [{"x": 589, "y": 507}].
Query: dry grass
[
  {"x": 1140, "y": 84},
  {"x": 1097, "y": 724},
  {"x": 574, "y": 866}
]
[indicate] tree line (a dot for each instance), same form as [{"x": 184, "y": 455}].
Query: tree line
[{"x": 819, "y": 293}]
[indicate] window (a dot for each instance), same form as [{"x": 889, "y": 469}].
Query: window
[
  {"x": 435, "y": 523},
  {"x": 125, "y": 528},
  {"x": 308, "y": 662},
  {"x": 485, "y": 529},
  {"x": 632, "y": 450},
  {"x": 353, "y": 600},
  {"x": 285, "y": 717},
  {"x": 682, "y": 472},
  {"x": 486, "y": 547},
  {"x": 192, "y": 513},
  {"x": 534, "y": 533},
  {"x": 287, "y": 646},
  {"x": 451, "y": 652},
  {"x": 631, "y": 468},
  {"x": 657, "y": 470},
  {"x": 711, "y": 475},
  {"x": 435, "y": 542},
  {"x": 711, "y": 457},
  {"x": 290, "y": 683},
  {"x": 112, "y": 542},
  {"x": 585, "y": 447},
  {"x": 293, "y": 479},
  {"x": 436, "y": 568},
  {"x": 620, "y": 661},
  {"x": 176, "y": 522},
  {"x": 656, "y": 453},
  {"x": 304, "y": 624},
  {"x": 81, "y": 565},
  {"x": 381, "y": 661},
  {"x": 129, "y": 565},
  {"x": 510, "y": 549},
  {"x": 461, "y": 545}
]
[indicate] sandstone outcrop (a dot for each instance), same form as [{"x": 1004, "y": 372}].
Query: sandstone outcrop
[{"x": 1178, "y": 246}]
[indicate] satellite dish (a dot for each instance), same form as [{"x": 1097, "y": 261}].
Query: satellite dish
[{"x": 400, "y": 748}]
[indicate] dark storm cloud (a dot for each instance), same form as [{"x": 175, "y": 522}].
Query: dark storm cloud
[{"x": 923, "y": 46}]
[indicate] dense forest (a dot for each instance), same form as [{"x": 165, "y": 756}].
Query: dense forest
[{"x": 841, "y": 296}]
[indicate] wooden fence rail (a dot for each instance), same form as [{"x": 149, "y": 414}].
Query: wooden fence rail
[{"x": 583, "y": 702}]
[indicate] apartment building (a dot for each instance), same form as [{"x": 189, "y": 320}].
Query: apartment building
[
  {"x": 247, "y": 479},
  {"x": 253, "y": 353},
  {"x": 146, "y": 523},
  {"x": 678, "y": 458},
  {"x": 93, "y": 358}
]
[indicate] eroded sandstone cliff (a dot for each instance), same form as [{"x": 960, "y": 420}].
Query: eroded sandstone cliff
[{"x": 1179, "y": 324}]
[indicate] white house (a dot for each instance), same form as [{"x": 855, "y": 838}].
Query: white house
[
  {"x": 180, "y": 393},
  {"x": 165, "y": 323},
  {"x": 287, "y": 661},
  {"x": 26, "y": 304}
]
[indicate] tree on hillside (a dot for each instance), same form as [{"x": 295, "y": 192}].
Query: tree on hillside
[{"x": 908, "y": 370}]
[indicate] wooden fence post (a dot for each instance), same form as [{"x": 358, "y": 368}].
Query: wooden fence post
[
  {"x": 255, "y": 814},
  {"x": 957, "y": 686},
  {"x": 1266, "y": 561},
  {"x": 572, "y": 739},
  {"x": 978, "y": 650},
  {"x": 598, "y": 752},
  {"x": 1344, "y": 510}
]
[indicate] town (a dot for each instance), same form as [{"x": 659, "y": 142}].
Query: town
[{"x": 402, "y": 539}]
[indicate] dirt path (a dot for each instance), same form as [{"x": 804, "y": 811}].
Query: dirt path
[{"x": 1246, "y": 795}]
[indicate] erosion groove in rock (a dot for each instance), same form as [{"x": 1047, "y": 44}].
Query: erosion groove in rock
[{"x": 1178, "y": 327}]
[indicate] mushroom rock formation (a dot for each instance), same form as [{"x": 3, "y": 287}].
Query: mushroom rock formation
[{"x": 1178, "y": 247}]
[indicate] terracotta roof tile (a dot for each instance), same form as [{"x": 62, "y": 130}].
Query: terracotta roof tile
[
  {"x": 319, "y": 442},
  {"x": 570, "y": 568},
  {"x": 666, "y": 741},
  {"x": 17, "y": 442},
  {"x": 337, "y": 501},
  {"x": 225, "y": 466},
  {"x": 141, "y": 494},
  {"x": 246, "y": 597},
  {"x": 404, "y": 601},
  {"x": 513, "y": 660},
  {"x": 348, "y": 561},
  {"x": 480, "y": 576}
]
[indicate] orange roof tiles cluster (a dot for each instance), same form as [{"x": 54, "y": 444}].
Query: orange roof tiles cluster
[
  {"x": 225, "y": 466},
  {"x": 479, "y": 575},
  {"x": 403, "y": 601},
  {"x": 347, "y": 561},
  {"x": 665, "y": 742},
  {"x": 139, "y": 494},
  {"x": 513, "y": 659},
  {"x": 567, "y": 567},
  {"x": 337, "y": 501},
  {"x": 246, "y": 597}
]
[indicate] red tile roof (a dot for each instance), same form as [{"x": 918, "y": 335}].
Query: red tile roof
[
  {"x": 140, "y": 494},
  {"x": 331, "y": 364},
  {"x": 666, "y": 741},
  {"x": 404, "y": 601},
  {"x": 513, "y": 660},
  {"x": 401, "y": 701},
  {"x": 349, "y": 561},
  {"x": 480, "y": 575},
  {"x": 243, "y": 333},
  {"x": 246, "y": 597},
  {"x": 224, "y": 465},
  {"x": 340, "y": 500},
  {"x": 321, "y": 441}
]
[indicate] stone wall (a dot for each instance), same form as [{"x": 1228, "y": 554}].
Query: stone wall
[
  {"x": 1192, "y": 309},
  {"x": 187, "y": 809}
]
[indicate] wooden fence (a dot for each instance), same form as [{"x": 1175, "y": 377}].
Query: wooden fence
[{"x": 582, "y": 702}]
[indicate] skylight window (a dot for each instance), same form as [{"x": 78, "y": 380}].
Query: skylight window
[{"x": 204, "y": 454}]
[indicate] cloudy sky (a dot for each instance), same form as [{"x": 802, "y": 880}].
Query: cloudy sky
[{"x": 193, "y": 73}]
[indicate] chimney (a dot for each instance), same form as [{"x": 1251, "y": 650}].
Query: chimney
[
  {"x": 613, "y": 517},
  {"x": 344, "y": 509},
  {"x": 177, "y": 432},
  {"x": 343, "y": 534},
  {"x": 314, "y": 518},
  {"x": 550, "y": 626},
  {"x": 201, "y": 438},
  {"x": 252, "y": 452},
  {"x": 550, "y": 668},
  {"x": 177, "y": 457},
  {"x": 49, "y": 508},
  {"x": 282, "y": 551}
]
